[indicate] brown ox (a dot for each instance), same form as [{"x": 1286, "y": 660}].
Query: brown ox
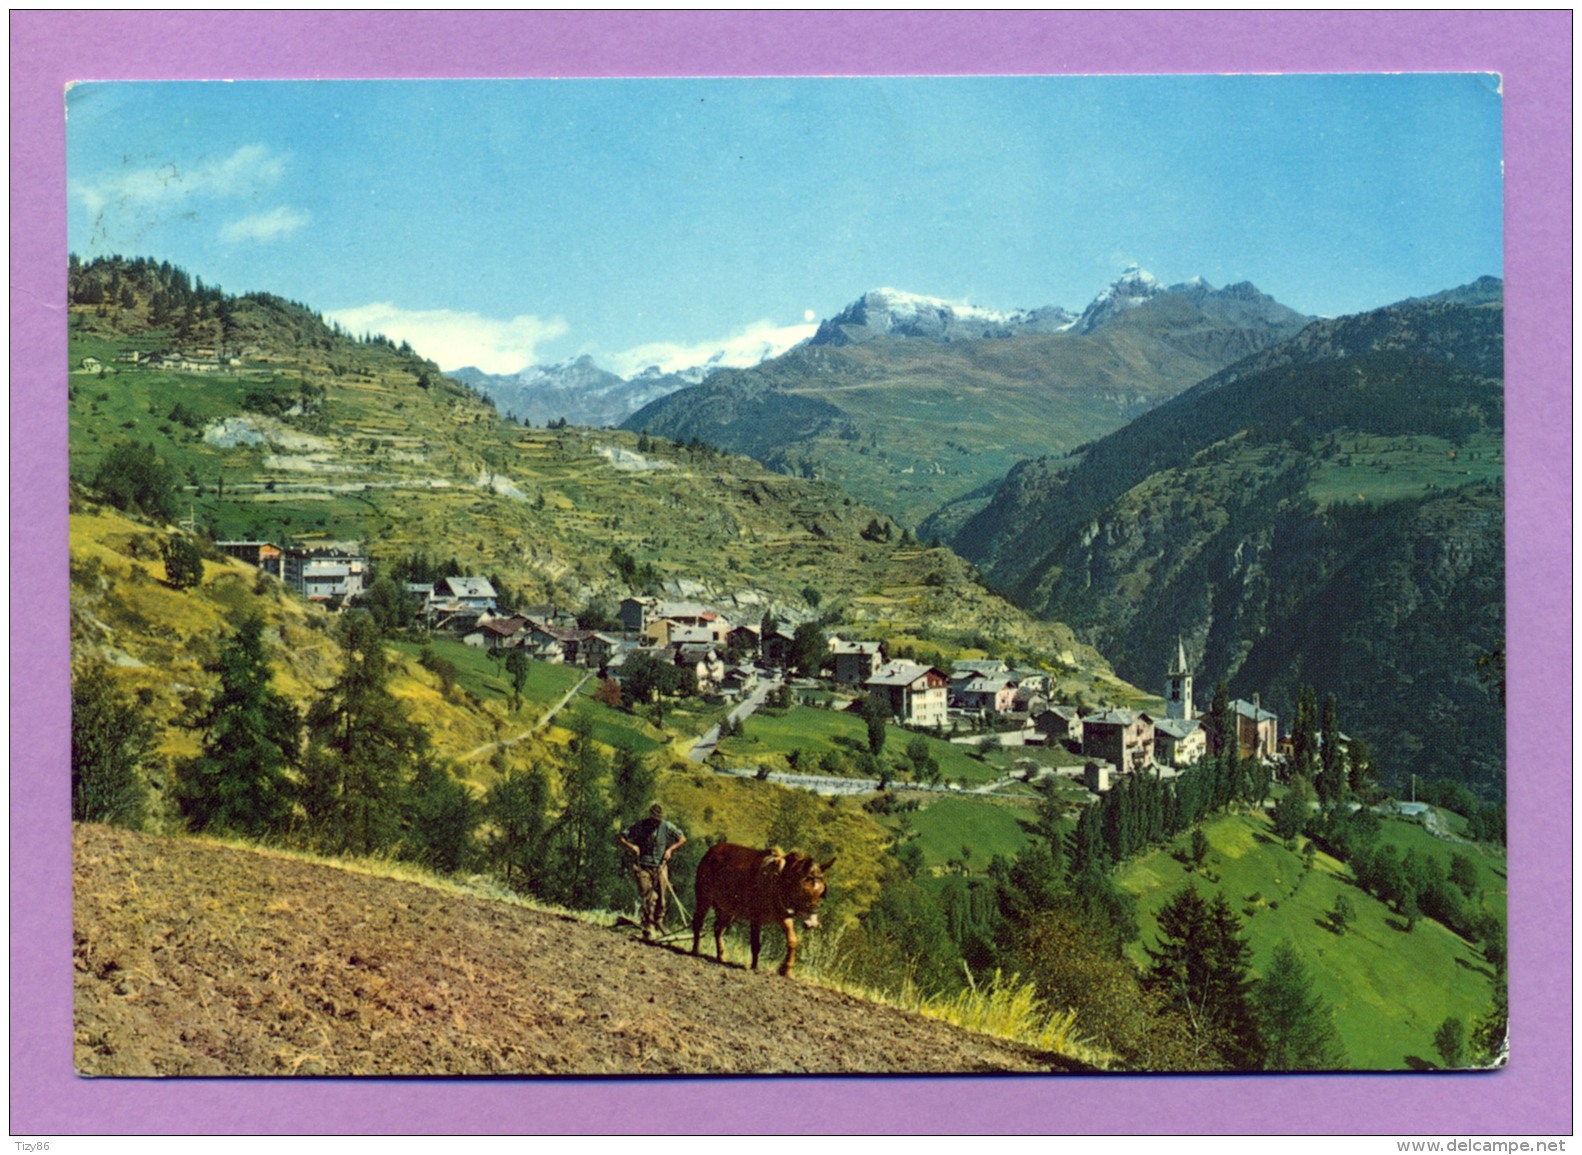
[{"x": 760, "y": 886}]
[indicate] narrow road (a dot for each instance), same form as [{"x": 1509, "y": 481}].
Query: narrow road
[
  {"x": 490, "y": 747},
  {"x": 707, "y": 744}
]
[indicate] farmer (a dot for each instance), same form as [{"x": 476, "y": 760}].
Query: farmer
[{"x": 653, "y": 841}]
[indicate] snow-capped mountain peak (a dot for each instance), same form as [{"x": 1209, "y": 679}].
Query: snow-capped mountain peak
[
  {"x": 1134, "y": 286},
  {"x": 888, "y": 312}
]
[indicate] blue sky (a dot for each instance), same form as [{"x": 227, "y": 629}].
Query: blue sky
[{"x": 500, "y": 223}]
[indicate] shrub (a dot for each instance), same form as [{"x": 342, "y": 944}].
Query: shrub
[
  {"x": 183, "y": 562},
  {"x": 111, "y": 739}
]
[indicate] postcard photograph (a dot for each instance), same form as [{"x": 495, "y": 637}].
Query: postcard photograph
[{"x": 916, "y": 575}]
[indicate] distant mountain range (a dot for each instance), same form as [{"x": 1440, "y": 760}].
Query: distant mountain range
[
  {"x": 577, "y": 391},
  {"x": 583, "y": 392},
  {"x": 912, "y": 402},
  {"x": 1327, "y": 511}
]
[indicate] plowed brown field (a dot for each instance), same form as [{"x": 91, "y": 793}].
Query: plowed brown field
[{"x": 199, "y": 959}]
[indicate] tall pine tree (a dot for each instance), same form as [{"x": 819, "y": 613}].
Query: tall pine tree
[
  {"x": 241, "y": 782},
  {"x": 1298, "y": 1033},
  {"x": 583, "y": 863},
  {"x": 1200, "y": 972},
  {"x": 516, "y": 811},
  {"x": 362, "y": 749}
]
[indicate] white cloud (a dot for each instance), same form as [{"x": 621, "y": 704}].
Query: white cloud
[
  {"x": 246, "y": 172},
  {"x": 454, "y": 340},
  {"x": 756, "y": 342},
  {"x": 268, "y": 226}
]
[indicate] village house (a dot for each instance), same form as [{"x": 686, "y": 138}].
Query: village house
[
  {"x": 474, "y": 593},
  {"x": 776, "y": 648},
  {"x": 334, "y": 571},
  {"x": 680, "y": 635},
  {"x": 743, "y": 640},
  {"x": 994, "y": 694},
  {"x": 918, "y": 695},
  {"x": 705, "y": 662},
  {"x": 855, "y": 662},
  {"x": 967, "y": 670},
  {"x": 1122, "y": 738},
  {"x": 1257, "y": 730},
  {"x": 498, "y": 633},
  {"x": 1059, "y": 724},
  {"x": 1178, "y": 741},
  {"x": 263, "y": 555},
  {"x": 739, "y": 680}
]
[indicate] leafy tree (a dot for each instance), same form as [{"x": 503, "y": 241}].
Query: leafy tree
[
  {"x": 583, "y": 863},
  {"x": 811, "y": 596},
  {"x": 388, "y": 604},
  {"x": 809, "y": 648},
  {"x": 1304, "y": 734},
  {"x": 924, "y": 766},
  {"x": 875, "y": 713},
  {"x": 608, "y": 693},
  {"x": 904, "y": 935},
  {"x": 517, "y": 665},
  {"x": 795, "y": 824},
  {"x": 1488, "y": 1032},
  {"x": 131, "y": 477},
  {"x": 1297, "y": 1031},
  {"x": 183, "y": 562},
  {"x": 112, "y": 739},
  {"x": 1464, "y": 873},
  {"x": 1219, "y": 725},
  {"x": 515, "y": 809},
  {"x": 241, "y": 782},
  {"x": 1074, "y": 969},
  {"x": 362, "y": 748},
  {"x": 1342, "y": 914},
  {"x": 1361, "y": 773},
  {"x": 441, "y": 667},
  {"x": 1292, "y": 813},
  {"x": 1450, "y": 1040},
  {"x": 647, "y": 678},
  {"x": 442, "y": 815}
]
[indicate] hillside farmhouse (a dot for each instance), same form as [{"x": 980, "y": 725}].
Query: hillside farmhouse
[
  {"x": 855, "y": 662},
  {"x": 918, "y": 695}
]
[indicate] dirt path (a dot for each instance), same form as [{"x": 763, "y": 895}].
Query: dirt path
[
  {"x": 197, "y": 959},
  {"x": 548, "y": 716}
]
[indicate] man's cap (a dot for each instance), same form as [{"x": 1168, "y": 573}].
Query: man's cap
[{"x": 656, "y": 811}]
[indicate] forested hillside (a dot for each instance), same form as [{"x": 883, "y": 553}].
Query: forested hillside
[{"x": 1328, "y": 512}]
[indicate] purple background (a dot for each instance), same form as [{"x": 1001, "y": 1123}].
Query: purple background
[{"x": 1531, "y": 50}]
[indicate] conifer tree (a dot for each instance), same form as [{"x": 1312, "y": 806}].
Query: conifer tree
[
  {"x": 362, "y": 748},
  {"x": 1200, "y": 970},
  {"x": 1333, "y": 786},
  {"x": 441, "y": 818},
  {"x": 241, "y": 782},
  {"x": 1297, "y": 1030},
  {"x": 583, "y": 863},
  {"x": 515, "y": 809}
]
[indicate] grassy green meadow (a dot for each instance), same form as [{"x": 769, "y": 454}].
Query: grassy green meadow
[{"x": 1388, "y": 989}]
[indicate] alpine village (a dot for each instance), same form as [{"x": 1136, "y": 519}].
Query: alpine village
[{"x": 1136, "y": 672}]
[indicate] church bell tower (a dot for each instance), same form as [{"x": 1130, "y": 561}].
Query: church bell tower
[{"x": 1178, "y": 692}]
